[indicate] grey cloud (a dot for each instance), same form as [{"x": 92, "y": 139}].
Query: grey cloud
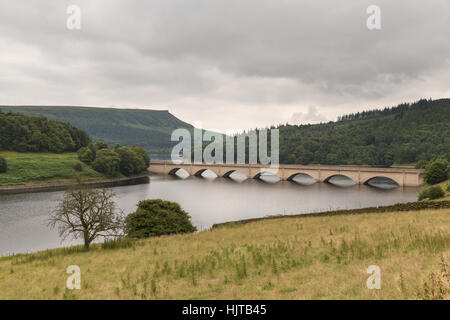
[
  {"x": 311, "y": 116},
  {"x": 254, "y": 56}
]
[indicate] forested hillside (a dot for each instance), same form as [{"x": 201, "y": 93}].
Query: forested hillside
[
  {"x": 402, "y": 135},
  {"x": 35, "y": 134},
  {"x": 150, "y": 129}
]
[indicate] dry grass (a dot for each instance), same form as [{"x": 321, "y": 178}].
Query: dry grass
[{"x": 305, "y": 258}]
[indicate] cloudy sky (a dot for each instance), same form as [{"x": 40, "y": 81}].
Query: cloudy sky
[{"x": 229, "y": 64}]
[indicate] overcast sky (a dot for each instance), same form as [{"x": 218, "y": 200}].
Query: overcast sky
[{"x": 230, "y": 64}]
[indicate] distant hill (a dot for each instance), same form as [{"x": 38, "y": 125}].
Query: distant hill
[
  {"x": 150, "y": 129},
  {"x": 403, "y": 134}
]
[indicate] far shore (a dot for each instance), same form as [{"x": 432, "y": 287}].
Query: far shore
[{"x": 47, "y": 187}]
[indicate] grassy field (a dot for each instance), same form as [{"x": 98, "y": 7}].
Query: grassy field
[
  {"x": 444, "y": 185},
  {"x": 295, "y": 258},
  {"x": 36, "y": 168}
]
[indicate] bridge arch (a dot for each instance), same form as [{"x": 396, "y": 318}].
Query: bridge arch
[
  {"x": 173, "y": 171},
  {"x": 382, "y": 182},
  {"x": 349, "y": 181},
  {"x": 264, "y": 173},
  {"x": 267, "y": 177},
  {"x": 302, "y": 174},
  {"x": 229, "y": 173},
  {"x": 200, "y": 173}
]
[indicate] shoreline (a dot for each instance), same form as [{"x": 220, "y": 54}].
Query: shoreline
[
  {"x": 399, "y": 207},
  {"x": 48, "y": 187}
]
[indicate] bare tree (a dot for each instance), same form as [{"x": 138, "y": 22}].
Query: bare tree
[{"x": 87, "y": 213}]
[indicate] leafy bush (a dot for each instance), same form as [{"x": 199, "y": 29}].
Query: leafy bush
[
  {"x": 78, "y": 167},
  {"x": 388, "y": 159},
  {"x": 434, "y": 192},
  {"x": 421, "y": 164},
  {"x": 445, "y": 156},
  {"x": 436, "y": 171},
  {"x": 143, "y": 154},
  {"x": 86, "y": 155},
  {"x": 131, "y": 162},
  {"x": 3, "y": 165},
  {"x": 107, "y": 162},
  {"x": 100, "y": 145},
  {"x": 157, "y": 218}
]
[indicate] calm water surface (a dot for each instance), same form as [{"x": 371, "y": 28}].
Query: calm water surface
[{"x": 23, "y": 217}]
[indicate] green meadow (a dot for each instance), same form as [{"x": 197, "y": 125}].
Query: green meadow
[{"x": 38, "y": 168}]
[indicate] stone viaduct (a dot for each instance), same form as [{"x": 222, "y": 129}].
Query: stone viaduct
[{"x": 403, "y": 176}]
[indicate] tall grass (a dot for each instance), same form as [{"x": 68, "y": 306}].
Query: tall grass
[
  {"x": 44, "y": 255},
  {"x": 437, "y": 285},
  {"x": 235, "y": 264},
  {"x": 317, "y": 257},
  {"x": 114, "y": 244}
]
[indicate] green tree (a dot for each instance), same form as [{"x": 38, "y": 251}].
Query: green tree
[
  {"x": 92, "y": 148},
  {"x": 133, "y": 160},
  {"x": 388, "y": 159},
  {"x": 436, "y": 171},
  {"x": 157, "y": 218},
  {"x": 107, "y": 162},
  {"x": 3, "y": 165},
  {"x": 445, "y": 156},
  {"x": 421, "y": 164},
  {"x": 86, "y": 155},
  {"x": 78, "y": 167},
  {"x": 100, "y": 145},
  {"x": 143, "y": 154},
  {"x": 130, "y": 162},
  {"x": 35, "y": 134}
]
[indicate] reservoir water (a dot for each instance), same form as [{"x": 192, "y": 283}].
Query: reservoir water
[{"x": 23, "y": 216}]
